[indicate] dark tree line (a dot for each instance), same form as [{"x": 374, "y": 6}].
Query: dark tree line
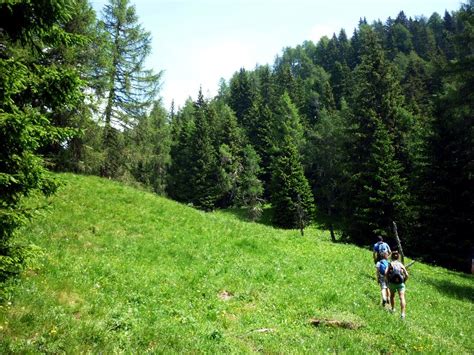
[{"x": 351, "y": 132}]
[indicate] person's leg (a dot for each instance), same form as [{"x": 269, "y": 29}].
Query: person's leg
[
  {"x": 384, "y": 297},
  {"x": 383, "y": 291},
  {"x": 402, "y": 302},
  {"x": 387, "y": 294},
  {"x": 392, "y": 299}
]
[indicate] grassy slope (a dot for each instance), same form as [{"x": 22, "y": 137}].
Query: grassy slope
[{"x": 124, "y": 270}]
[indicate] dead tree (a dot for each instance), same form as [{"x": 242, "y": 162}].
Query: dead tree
[{"x": 399, "y": 244}]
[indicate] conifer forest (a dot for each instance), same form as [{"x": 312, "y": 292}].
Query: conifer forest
[{"x": 361, "y": 130}]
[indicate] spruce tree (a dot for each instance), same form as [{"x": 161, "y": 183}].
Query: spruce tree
[
  {"x": 447, "y": 189},
  {"x": 242, "y": 94},
  {"x": 88, "y": 57},
  {"x": 204, "y": 167},
  {"x": 33, "y": 91},
  {"x": 182, "y": 132},
  {"x": 150, "y": 150},
  {"x": 287, "y": 122},
  {"x": 249, "y": 187},
  {"x": 229, "y": 146},
  {"x": 376, "y": 188},
  {"x": 324, "y": 161},
  {"x": 291, "y": 197}
]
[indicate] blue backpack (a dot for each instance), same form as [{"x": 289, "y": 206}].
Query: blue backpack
[
  {"x": 383, "y": 265},
  {"x": 382, "y": 247}
]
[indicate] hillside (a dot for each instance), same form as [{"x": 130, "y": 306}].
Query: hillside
[{"x": 126, "y": 271}]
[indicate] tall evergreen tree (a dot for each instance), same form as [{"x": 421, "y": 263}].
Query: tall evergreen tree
[
  {"x": 33, "y": 91},
  {"x": 87, "y": 56},
  {"x": 150, "y": 149},
  {"x": 204, "y": 166},
  {"x": 249, "y": 187},
  {"x": 291, "y": 197},
  {"x": 180, "y": 173},
  {"x": 229, "y": 145},
  {"x": 287, "y": 122},
  {"x": 415, "y": 82},
  {"x": 324, "y": 161},
  {"x": 377, "y": 188},
  {"x": 242, "y": 94},
  {"x": 447, "y": 193},
  {"x": 262, "y": 138},
  {"x": 131, "y": 89}
]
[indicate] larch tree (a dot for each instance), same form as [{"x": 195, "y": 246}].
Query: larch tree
[{"x": 131, "y": 88}]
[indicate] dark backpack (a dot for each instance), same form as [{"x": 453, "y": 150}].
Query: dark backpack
[{"x": 395, "y": 274}]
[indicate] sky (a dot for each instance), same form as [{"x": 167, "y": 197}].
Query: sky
[{"x": 197, "y": 42}]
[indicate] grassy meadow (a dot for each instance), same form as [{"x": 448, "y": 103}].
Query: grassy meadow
[{"x": 122, "y": 270}]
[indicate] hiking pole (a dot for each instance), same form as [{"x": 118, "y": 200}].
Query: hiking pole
[{"x": 410, "y": 264}]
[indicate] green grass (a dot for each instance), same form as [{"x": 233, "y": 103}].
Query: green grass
[{"x": 126, "y": 271}]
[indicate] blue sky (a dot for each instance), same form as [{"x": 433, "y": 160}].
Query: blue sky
[{"x": 197, "y": 42}]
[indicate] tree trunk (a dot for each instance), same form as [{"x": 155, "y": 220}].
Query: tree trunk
[
  {"x": 331, "y": 230},
  {"x": 331, "y": 227}
]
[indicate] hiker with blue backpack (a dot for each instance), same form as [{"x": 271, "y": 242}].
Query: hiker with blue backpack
[
  {"x": 396, "y": 274},
  {"x": 381, "y": 267},
  {"x": 380, "y": 248}
]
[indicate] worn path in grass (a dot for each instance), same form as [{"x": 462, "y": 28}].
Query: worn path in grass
[{"x": 126, "y": 271}]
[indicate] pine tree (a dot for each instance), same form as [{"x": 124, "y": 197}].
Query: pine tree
[
  {"x": 204, "y": 167},
  {"x": 180, "y": 173},
  {"x": 150, "y": 146},
  {"x": 131, "y": 89},
  {"x": 242, "y": 94},
  {"x": 229, "y": 144},
  {"x": 287, "y": 122},
  {"x": 324, "y": 162},
  {"x": 291, "y": 197},
  {"x": 249, "y": 187},
  {"x": 33, "y": 90},
  {"x": 376, "y": 131},
  {"x": 87, "y": 56},
  {"x": 415, "y": 85},
  {"x": 447, "y": 192}
]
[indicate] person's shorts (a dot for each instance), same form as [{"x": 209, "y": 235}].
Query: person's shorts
[
  {"x": 396, "y": 287},
  {"x": 382, "y": 283}
]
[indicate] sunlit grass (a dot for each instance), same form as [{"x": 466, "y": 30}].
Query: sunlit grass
[{"x": 126, "y": 271}]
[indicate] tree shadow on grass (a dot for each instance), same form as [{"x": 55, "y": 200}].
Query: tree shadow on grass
[
  {"x": 243, "y": 215},
  {"x": 454, "y": 290}
]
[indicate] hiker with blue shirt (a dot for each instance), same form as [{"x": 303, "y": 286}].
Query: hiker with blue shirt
[
  {"x": 396, "y": 274},
  {"x": 379, "y": 248},
  {"x": 381, "y": 267}
]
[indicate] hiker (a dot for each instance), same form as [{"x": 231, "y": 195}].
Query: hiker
[
  {"x": 379, "y": 248},
  {"x": 381, "y": 267},
  {"x": 396, "y": 275}
]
